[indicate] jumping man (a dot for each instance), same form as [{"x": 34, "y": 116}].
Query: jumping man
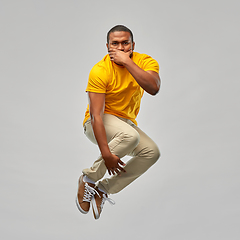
[{"x": 115, "y": 87}]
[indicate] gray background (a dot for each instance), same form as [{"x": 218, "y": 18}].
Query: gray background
[{"x": 47, "y": 49}]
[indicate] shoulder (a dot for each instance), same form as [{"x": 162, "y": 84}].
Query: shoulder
[
  {"x": 142, "y": 57},
  {"x": 145, "y": 61},
  {"x": 100, "y": 73},
  {"x": 102, "y": 67}
]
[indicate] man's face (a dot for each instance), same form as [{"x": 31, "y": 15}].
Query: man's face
[{"x": 121, "y": 41}]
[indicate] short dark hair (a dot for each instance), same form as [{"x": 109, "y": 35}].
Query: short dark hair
[{"x": 119, "y": 28}]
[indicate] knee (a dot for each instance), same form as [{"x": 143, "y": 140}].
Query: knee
[
  {"x": 156, "y": 153},
  {"x": 132, "y": 139},
  {"x": 153, "y": 153}
]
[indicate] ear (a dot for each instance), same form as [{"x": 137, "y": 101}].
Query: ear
[
  {"x": 107, "y": 45},
  {"x": 133, "y": 45}
]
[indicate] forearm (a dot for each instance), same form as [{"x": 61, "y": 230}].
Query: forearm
[
  {"x": 148, "y": 82},
  {"x": 100, "y": 135}
]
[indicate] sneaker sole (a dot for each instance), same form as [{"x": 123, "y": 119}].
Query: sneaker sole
[
  {"x": 78, "y": 205},
  {"x": 95, "y": 209}
]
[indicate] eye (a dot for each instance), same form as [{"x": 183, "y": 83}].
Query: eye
[
  {"x": 126, "y": 43},
  {"x": 114, "y": 44}
]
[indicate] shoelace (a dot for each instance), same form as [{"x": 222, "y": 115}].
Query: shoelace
[
  {"x": 89, "y": 193},
  {"x": 105, "y": 198}
]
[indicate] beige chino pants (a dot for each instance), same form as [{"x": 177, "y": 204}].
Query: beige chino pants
[{"x": 124, "y": 138}]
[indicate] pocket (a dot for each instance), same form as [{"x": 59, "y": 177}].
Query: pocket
[{"x": 85, "y": 125}]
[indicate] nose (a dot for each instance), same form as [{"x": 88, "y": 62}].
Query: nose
[{"x": 120, "y": 47}]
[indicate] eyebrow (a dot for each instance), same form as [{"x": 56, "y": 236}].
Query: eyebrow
[{"x": 121, "y": 42}]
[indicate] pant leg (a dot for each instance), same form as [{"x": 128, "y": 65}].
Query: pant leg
[
  {"x": 122, "y": 139},
  {"x": 144, "y": 155}
]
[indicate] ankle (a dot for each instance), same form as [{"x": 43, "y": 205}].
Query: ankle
[
  {"x": 88, "y": 180},
  {"x": 101, "y": 190}
]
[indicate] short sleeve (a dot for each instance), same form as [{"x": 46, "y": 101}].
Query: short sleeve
[
  {"x": 150, "y": 64},
  {"x": 97, "y": 81}
]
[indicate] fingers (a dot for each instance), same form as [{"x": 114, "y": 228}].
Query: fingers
[
  {"x": 122, "y": 169},
  {"x": 113, "y": 171},
  {"x": 116, "y": 170},
  {"x": 119, "y": 56},
  {"x": 119, "y": 168},
  {"x": 112, "y": 54},
  {"x": 112, "y": 50},
  {"x": 121, "y": 162},
  {"x": 113, "y": 165}
]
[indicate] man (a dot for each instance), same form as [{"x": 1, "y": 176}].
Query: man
[{"x": 115, "y": 88}]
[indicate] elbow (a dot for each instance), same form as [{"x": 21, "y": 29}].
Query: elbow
[
  {"x": 154, "y": 91},
  {"x": 95, "y": 117}
]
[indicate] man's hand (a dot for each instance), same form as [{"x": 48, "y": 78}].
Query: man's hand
[
  {"x": 113, "y": 163},
  {"x": 119, "y": 57}
]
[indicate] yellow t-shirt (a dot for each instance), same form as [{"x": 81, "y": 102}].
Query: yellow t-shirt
[{"x": 122, "y": 93}]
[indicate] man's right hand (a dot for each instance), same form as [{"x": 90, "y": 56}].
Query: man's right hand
[
  {"x": 113, "y": 163},
  {"x": 118, "y": 56}
]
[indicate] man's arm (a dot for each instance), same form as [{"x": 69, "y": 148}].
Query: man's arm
[
  {"x": 148, "y": 80},
  {"x": 96, "y": 108}
]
